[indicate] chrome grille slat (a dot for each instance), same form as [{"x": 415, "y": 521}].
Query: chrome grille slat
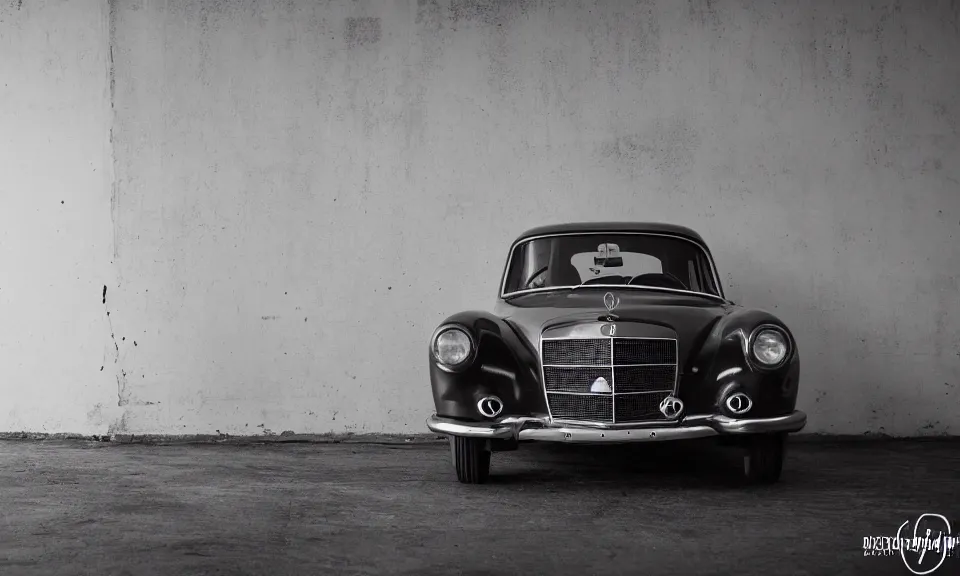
[
  {"x": 592, "y": 408},
  {"x": 639, "y": 407},
  {"x": 574, "y": 379},
  {"x": 645, "y": 378},
  {"x": 644, "y": 351},
  {"x": 587, "y": 352},
  {"x": 640, "y": 371}
]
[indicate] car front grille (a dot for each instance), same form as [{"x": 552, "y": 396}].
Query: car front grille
[{"x": 608, "y": 380}]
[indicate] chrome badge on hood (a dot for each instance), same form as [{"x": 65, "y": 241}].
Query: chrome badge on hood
[{"x": 611, "y": 301}]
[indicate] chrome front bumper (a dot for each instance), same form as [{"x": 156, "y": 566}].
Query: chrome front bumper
[{"x": 690, "y": 427}]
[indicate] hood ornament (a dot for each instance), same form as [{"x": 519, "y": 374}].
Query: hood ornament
[{"x": 611, "y": 301}]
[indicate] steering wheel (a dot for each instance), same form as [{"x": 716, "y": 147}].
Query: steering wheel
[
  {"x": 605, "y": 280},
  {"x": 534, "y": 275},
  {"x": 658, "y": 279}
]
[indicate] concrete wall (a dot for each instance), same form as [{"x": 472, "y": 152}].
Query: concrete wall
[
  {"x": 302, "y": 190},
  {"x": 55, "y": 228}
]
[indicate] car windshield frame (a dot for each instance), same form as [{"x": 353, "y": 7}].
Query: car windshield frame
[{"x": 715, "y": 276}]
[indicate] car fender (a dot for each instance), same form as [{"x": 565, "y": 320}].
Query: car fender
[
  {"x": 503, "y": 366},
  {"x": 724, "y": 366}
]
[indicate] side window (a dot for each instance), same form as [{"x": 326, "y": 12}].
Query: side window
[
  {"x": 694, "y": 277},
  {"x": 517, "y": 264},
  {"x": 706, "y": 275}
]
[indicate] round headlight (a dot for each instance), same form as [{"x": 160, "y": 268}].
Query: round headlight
[
  {"x": 452, "y": 347},
  {"x": 769, "y": 347}
]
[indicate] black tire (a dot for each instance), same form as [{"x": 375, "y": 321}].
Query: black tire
[
  {"x": 763, "y": 461},
  {"x": 471, "y": 458}
]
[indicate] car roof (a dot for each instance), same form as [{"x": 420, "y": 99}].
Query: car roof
[{"x": 631, "y": 227}]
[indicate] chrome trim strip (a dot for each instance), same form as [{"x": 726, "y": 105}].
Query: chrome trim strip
[
  {"x": 676, "y": 370},
  {"x": 701, "y": 246},
  {"x": 592, "y": 436},
  {"x": 613, "y": 378},
  {"x": 740, "y": 333},
  {"x": 616, "y": 286},
  {"x": 498, "y": 371},
  {"x": 608, "y": 426},
  {"x": 602, "y": 365},
  {"x": 729, "y": 372},
  {"x": 543, "y": 377},
  {"x": 607, "y": 394},
  {"x": 455, "y": 429},
  {"x": 793, "y": 422},
  {"x": 690, "y": 427},
  {"x": 600, "y": 337},
  {"x": 504, "y": 428}
]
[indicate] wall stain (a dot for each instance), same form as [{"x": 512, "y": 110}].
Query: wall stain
[
  {"x": 496, "y": 16},
  {"x": 414, "y": 79},
  {"x": 876, "y": 90},
  {"x": 203, "y": 51},
  {"x": 877, "y": 87},
  {"x": 945, "y": 113},
  {"x": 488, "y": 12},
  {"x": 112, "y": 79},
  {"x": 625, "y": 46},
  {"x": 121, "y": 376},
  {"x": 704, "y": 12},
  {"x": 834, "y": 51},
  {"x": 667, "y": 146},
  {"x": 362, "y": 31},
  {"x": 552, "y": 89},
  {"x": 118, "y": 427},
  {"x": 95, "y": 416},
  {"x": 429, "y": 16}
]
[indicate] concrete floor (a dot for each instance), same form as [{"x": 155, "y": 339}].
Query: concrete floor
[{"x": 90, "y": 508}]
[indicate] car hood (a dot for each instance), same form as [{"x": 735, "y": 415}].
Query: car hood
[{"x": 691, "y": 317}]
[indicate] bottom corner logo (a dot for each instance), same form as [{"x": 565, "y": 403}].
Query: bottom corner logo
[{"x": 925, "y": 549}]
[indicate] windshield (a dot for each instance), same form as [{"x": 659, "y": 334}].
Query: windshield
[{"x": 641, "y": 260}]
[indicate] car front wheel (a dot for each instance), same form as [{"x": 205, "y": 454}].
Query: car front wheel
[
  {"x": 763, "y": 461},
  {"x": 471, "y": 458}
]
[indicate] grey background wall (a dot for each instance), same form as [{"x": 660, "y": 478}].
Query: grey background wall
[{"x": 283, "y": 198}]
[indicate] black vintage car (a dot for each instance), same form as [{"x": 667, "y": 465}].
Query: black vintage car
[{"x": 613, "y": 332}]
